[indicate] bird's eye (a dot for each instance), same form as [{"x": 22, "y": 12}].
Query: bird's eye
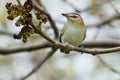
[{"x": 74, "y": 16}]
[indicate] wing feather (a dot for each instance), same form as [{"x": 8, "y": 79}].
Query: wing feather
[{"x": 62, "y": 32}]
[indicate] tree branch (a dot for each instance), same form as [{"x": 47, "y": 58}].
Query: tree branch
[
  {"x": 39, "y": 6},
  {"x": 106, "y": 21},
  {"x": 114, "y": 7},
  {"x": 18, "y": 1},
  {"x": 96, "y": 51},
  {"x": 72, "y": 48},
  {"x": 101, "y": 44},
  {"x": 107, "y": 65},
  {"x": 6, "y": 33},
  {"x": 60, "y": 45},
  {"x": 90, "y": 44},
  {"x": 31, "y": 48},
  {"x": 87, "y": 9}
]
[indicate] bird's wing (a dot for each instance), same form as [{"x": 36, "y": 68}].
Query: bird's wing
[{"x": 62, "y": 32}]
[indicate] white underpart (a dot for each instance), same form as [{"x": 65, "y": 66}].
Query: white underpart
[{"x": 73, "y": 35}]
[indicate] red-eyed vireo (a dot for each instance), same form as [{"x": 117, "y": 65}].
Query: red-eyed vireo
[{"x": 74, "y": 30}]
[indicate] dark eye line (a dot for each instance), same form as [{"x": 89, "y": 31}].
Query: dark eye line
[{"x": 73, "y": 16}]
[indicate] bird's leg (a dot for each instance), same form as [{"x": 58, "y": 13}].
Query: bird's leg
[
  {"x": 65, "y": 49},
  {"x": 82, "y": 49}
]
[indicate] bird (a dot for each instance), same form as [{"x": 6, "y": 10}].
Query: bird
[{"x": 74, "y": 30}]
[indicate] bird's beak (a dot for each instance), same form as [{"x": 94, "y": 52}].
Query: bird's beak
[{"x": 64, "y": 14}]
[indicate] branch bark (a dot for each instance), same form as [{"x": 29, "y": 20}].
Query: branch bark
[
  {"x": 101, "y": 44},
  {"x": 72, "y": 48},
  {"x": 96, "y": 51},
  {"x": 6, "y": 33},
  {"x": 40, "y": 7},
  {"x": 90, "y": 44},
  {"x": 31, "y": 48}
]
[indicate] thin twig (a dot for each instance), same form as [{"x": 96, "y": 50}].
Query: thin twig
[
  {"x": 98, "y": 32},
  {"x": 101, "y": 44},
  {"x": 18, "y": 1},
  {"x": 40, "y": 4},
  {"x": 30, "y": 48},
  {"x": 6, "y": 33},
  {"x": 90, "y": 44},
  {"x": 39, "y": 64},
  {"x": 87, "y": 9},
  {"x": 96, "y": 51},
  {"x": 114, "y": 7},
  {"x": 38, "y": 31},
  {"x": 107, "y": 65},
  {"x": 71, "y": 5},
  {"x": 106, "y": 21},
  {"x": 43, "y": 10}
]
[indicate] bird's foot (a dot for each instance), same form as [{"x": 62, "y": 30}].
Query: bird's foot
[
  {"x": 65, "y": 49},
  {"x": 82, "y": 49}
]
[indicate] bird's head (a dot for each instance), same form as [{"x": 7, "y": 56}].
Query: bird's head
[{"x": 73, "y": 17}]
